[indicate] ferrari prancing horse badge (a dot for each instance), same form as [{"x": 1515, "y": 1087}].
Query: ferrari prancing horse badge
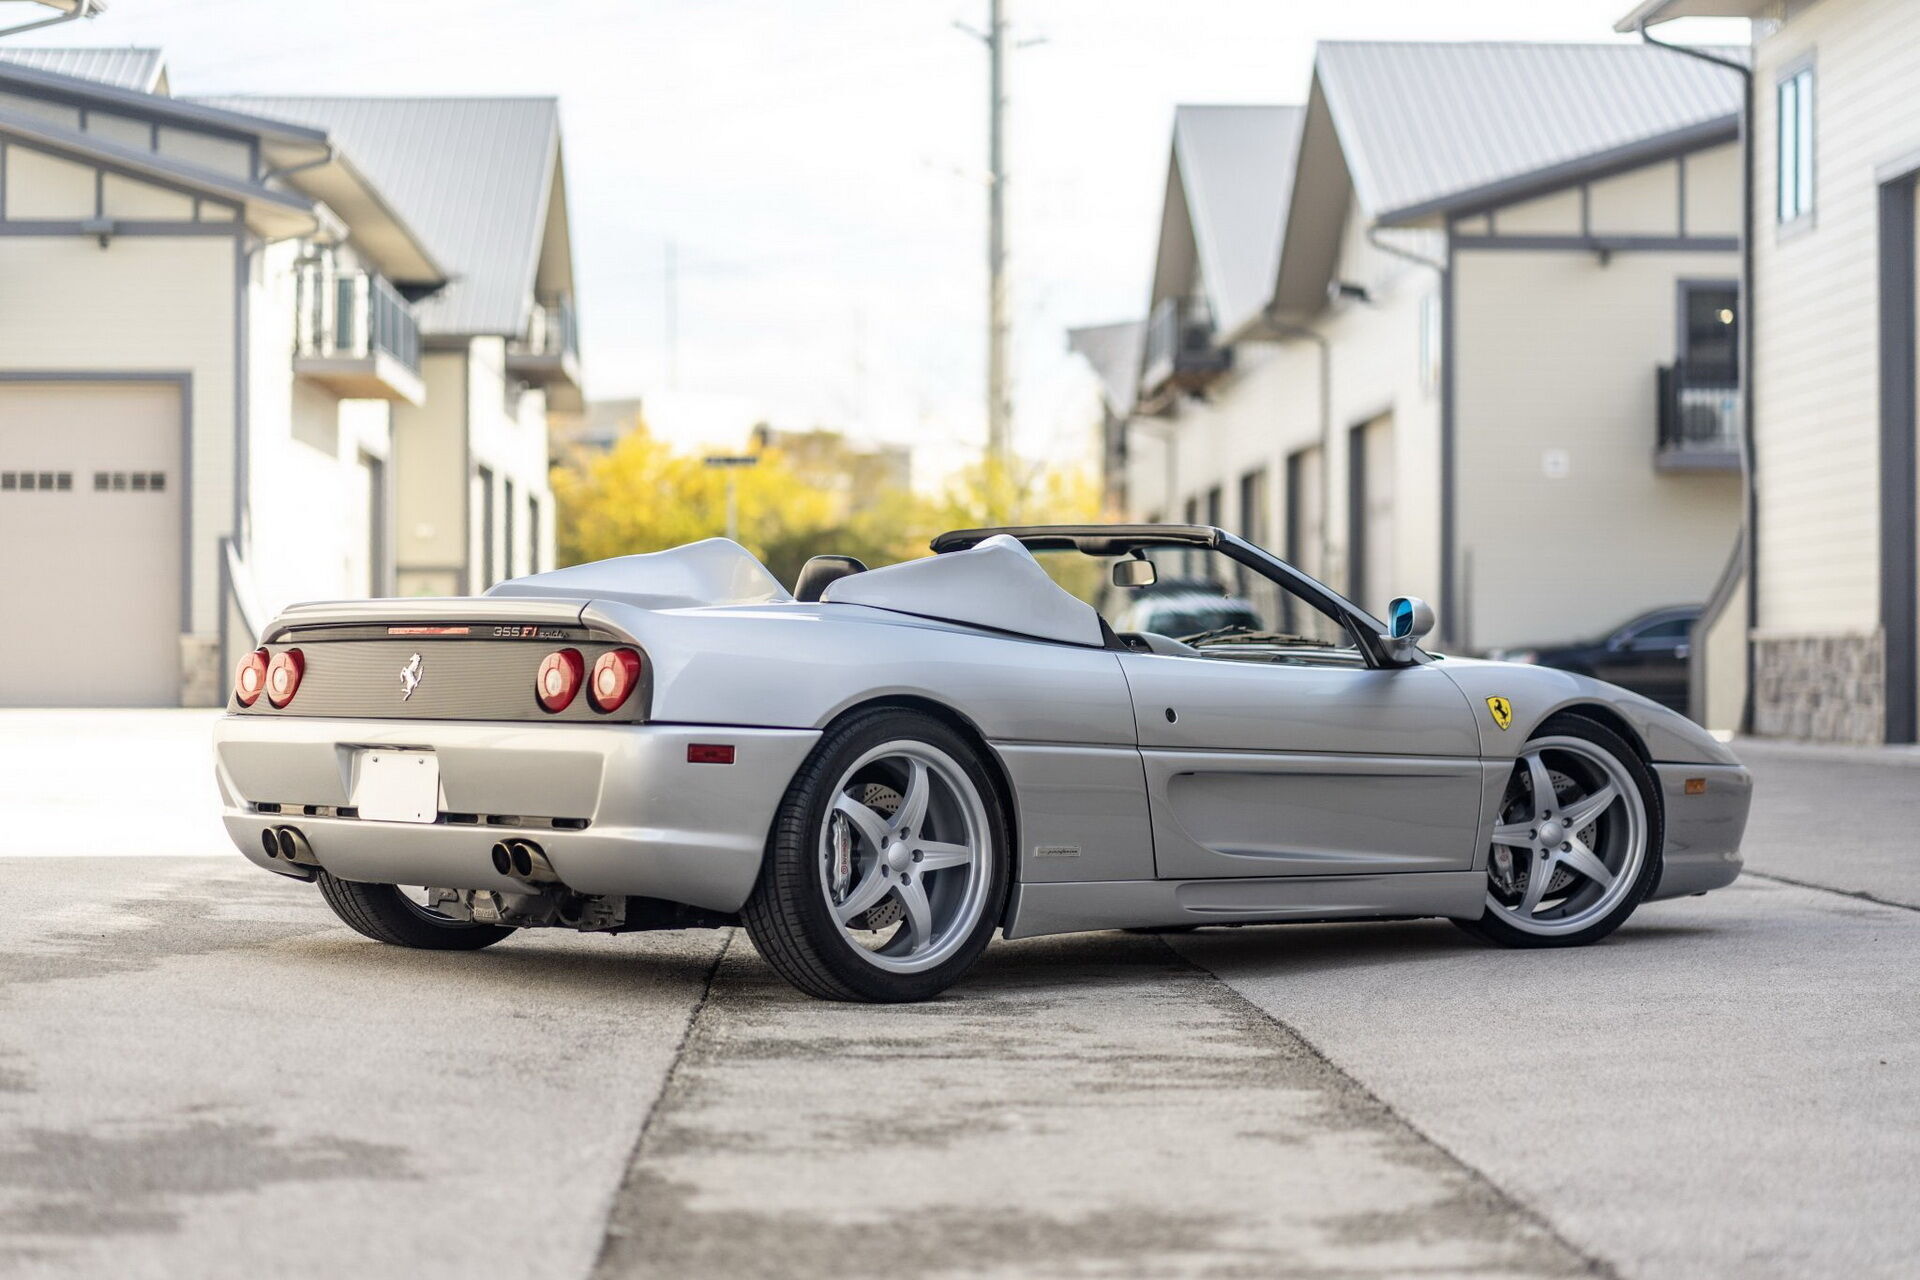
[{"x": 1502, "y": 712}]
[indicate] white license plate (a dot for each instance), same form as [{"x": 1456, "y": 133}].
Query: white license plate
[{"x": 397, "y": 786}]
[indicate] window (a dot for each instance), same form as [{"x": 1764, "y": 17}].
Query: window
[
  {"x": 1430, "y": 342},
  {"x": 1794, "y": 145},
  {"x": 1216, "y": 508},
  {"x": 511, "y": 559},
  {"x": 1709, "y": 340},
  {"x": 1672, "y": 629},
  {"x": 486, "y": 528},
  {"x": 1253, "y": 507}
]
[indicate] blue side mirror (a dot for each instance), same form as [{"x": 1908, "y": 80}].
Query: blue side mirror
[{"x": 1409, "y": 619}]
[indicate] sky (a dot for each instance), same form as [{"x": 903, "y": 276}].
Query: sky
[{"x": 814, "y": 170}]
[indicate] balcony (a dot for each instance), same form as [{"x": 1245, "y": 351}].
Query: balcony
[
  {"x": 1180, "y": 352},
  {"x": 549, "y": 355},
  {"x": 355, "y": 335},
  {"x": 1699, "y": 419}
]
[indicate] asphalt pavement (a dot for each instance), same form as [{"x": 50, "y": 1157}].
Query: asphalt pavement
[{"x": 202, "y": 1073}]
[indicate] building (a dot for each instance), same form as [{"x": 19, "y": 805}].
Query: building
[
  {"x": 1466, "y": 334},
  {"x": 1112, "y": 352},
  {"x": 484, "y": 181},
  {"x": 216, "y": 395},
  {"x": 596, "y": 428},
  {"x": 1821, "y": 638}
]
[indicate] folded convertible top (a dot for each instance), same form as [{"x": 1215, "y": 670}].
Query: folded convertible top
[{"x": 714, "y": 571}]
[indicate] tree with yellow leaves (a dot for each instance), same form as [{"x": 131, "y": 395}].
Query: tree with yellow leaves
[{"x": 644, "y": 495}]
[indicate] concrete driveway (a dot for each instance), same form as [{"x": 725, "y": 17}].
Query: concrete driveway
[{"x": 201, "y": 1073}]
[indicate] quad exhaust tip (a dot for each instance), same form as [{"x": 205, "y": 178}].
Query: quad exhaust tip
[{"x": 523, "y": 860}]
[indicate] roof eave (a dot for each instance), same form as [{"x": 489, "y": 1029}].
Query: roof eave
[
  {"x": 273, "y": 206},
  {"x": 1649, "y": 12},
  {"x": 373, "y": 224},
  {"x": 1598, "y": 164},
  {"x": 150, "y": 106}
]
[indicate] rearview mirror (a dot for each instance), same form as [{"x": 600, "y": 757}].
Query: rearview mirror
[
  {"x": 1134, "y": 571},
  {"x": 1409, "y": 619}
]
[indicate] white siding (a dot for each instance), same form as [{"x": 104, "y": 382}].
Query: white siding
[
  {"x": 143, "y": 303},
  {"x": 43, "y": 186},
  {"x": 1643, "y": 202},
  {"x": 1816, "y": 333},
  {"x": 219, "y": 154},
  {"x": 126, "y": 198},
  {"x": 1713, "y": 191}
]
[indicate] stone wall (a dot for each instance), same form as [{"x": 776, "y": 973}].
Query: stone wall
[{"x": 1828, "y": 688}]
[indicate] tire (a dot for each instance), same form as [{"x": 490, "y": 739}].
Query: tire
[
  {"x": 385, "y": 914},
  {"x": 835, "y": 911},
  {"x": 1623, "y": 837}
]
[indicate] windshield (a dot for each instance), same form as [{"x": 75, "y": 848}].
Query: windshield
[{"x": 1205, "y": 599}]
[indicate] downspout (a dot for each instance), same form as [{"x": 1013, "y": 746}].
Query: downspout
[
  {"x": 1456, "y": 630},
  {"x": 1746, "y": 552},
  {"x": 85, "y": 9}
]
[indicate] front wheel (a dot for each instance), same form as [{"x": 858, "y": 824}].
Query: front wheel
[
  {"x": 387, "y": 913},
  {"x": 887, "y": 869},
  {"x": 1577, "y": 843}
]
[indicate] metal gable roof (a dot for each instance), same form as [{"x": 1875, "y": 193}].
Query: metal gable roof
[
  {"x": 1236, "y": 165},
  {"x": 140, "y": 69},
  {"x": 1113, "y": 351},
  {"x": 471, "y": 175},
  {"x": 1419, "y": 123}
]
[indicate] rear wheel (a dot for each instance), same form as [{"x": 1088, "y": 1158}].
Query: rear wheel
[
  {"x": 396, "y": 916},
  {"x": 1577, "y": 843},
  {"x": 886, "y": 871}
]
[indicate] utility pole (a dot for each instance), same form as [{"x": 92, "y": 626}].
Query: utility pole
[
  {"x": 999, "y": 400},
  {"x": 732, "y": 464}
]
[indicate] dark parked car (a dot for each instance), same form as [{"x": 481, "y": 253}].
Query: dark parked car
[{"x": 1647, "y": 655}]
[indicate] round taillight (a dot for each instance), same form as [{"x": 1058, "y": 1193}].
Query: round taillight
[
  {"x": 251, "y": 678},
  {"x": 283, "y": 676},
  {"x": 559, "y": 679},
  {"x": 615, "y": 673}
]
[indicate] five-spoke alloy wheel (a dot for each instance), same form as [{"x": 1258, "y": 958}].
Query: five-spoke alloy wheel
[
  {"x": 1576, "y": 846},
  {"x": 886, "y": 872}
]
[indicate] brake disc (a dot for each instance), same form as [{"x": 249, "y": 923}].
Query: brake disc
[{"x": 881, "y": 798}]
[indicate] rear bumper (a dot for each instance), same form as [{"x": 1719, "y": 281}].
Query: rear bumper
[
  {"x": 1704, "y": 830},
  {"x": 655, "y": 824}
]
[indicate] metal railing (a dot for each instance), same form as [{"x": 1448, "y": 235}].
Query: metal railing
[
  {"x": 1180, "y": 346},
  {"x": 551, "y": 331},
  {"x": 351, "y": 315},
  {"x": 1699, "y": 411}
]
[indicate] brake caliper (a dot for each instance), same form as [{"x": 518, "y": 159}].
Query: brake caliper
[{"x": 840, "y": 840}]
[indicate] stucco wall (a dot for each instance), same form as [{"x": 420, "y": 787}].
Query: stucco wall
[
  {"x": 1565, "y": 526},
  {"x": 430, "y": 481},
  {"x": 309, "y": 533},
  {"x": 1270, "y": 406}
]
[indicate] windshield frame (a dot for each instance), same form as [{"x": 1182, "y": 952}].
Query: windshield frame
[{"x": 1119, "y": 539}]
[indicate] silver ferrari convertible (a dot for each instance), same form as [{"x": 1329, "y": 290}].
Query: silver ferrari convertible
[{"x": 875, "y": 771}]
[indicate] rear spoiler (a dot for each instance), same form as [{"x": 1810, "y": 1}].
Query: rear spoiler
[{"x": 428, "y": 610}]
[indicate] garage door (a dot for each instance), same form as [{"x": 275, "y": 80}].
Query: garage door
[{"x": 90, "y": 544}]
